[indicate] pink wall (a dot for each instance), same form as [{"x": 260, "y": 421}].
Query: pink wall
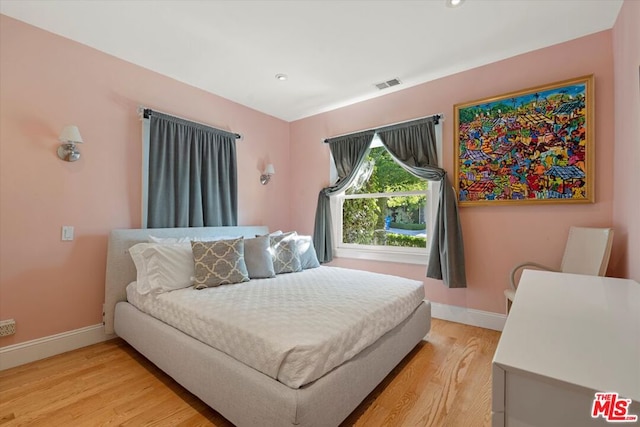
[
  {"x": 496, "y": 238},
  {"x": 49, "y": 286},
  {"x": 47, "y": 81},
  {"x": 626, "y": 207}
]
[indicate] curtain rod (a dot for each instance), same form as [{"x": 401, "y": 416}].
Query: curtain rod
[
  {"x": 437, "y": 118},
  {"x": 147, "y": 112}
]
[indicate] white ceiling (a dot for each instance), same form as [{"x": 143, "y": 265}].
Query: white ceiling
[{"x": 333, "y": 51}]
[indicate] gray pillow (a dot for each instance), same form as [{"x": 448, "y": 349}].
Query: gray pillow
[
  {"x": 219, "y": 262},
  {"x": 258, "y": 258},
  {"x": 284, "y": 252},
  {"x": 307, "y": 252}
]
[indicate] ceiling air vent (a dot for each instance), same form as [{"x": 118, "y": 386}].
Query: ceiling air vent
[{"x": 388, "y": 83}]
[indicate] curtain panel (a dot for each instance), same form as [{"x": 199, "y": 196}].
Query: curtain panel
[
  {"x": 349, "y": 153},
  {"x": 413, "y": 146},
  {"x": 192, "y": 174}
]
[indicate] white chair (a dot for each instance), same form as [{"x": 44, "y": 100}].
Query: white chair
[{"x": 587, "y": 252}]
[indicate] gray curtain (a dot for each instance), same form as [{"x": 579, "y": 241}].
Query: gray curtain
[
  {"x": 348, "y": 153},
  {"x": 413, "y": 146},
  {"x": 192, "y": 174}
]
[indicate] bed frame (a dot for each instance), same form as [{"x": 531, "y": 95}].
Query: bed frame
[{"x": 243, "y": 395}]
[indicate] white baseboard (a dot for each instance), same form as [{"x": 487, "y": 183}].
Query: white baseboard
[
  {"x": 468, "y": 316},
  {"x": 41, "y": 348}
]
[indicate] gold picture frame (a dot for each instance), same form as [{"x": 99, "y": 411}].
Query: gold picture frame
[{"x": 529, "y": 146}]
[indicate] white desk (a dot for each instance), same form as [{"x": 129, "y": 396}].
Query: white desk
[{"x": 567, "y": 336}]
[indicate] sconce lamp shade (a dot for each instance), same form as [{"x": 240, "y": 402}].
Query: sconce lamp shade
[
  {"x": 71, "y": 135},
  {"x": 269, "y": 170}
]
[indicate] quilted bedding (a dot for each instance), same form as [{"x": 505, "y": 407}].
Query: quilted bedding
[{"x": 295, "y": 327}]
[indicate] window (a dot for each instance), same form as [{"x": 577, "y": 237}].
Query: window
[{"x": 387, "y": 213}]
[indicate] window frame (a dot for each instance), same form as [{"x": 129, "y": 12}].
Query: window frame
[
  {"x": 398, "y": 254},
  {"x": 146, "y": 136}
]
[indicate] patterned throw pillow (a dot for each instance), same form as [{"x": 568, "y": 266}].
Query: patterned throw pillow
[
  {"x": 285, "y": 253},
  {"x": 219, "y": 263}
]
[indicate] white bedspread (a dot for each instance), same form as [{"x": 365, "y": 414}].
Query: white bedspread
[{"x": 295, "y": 327}]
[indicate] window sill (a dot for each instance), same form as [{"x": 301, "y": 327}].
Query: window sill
[{"x": 387, "y": 255}]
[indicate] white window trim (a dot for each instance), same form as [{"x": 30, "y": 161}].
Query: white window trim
[
  {"x": 146, "y": 124},
  {"x": 395, "y": 254}
]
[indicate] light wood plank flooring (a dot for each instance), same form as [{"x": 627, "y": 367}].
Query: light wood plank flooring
[{"x": 443, "y": 382}]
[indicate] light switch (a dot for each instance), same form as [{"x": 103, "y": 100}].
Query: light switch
[{"x": 67, "y": 232}]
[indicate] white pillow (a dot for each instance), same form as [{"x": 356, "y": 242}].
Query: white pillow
[
  {"x": 162, "y": 267},
  {"x": 173, "y": 240},
  {"x": 168, "y": 240}
]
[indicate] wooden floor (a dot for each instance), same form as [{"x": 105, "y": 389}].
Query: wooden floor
[{"x": 443, "y": 382}]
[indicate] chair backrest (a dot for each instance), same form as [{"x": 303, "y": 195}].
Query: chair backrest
[{"x": 587, "y": 251}]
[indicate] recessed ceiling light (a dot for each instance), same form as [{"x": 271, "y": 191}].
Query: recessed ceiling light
[
  {"x": 282, "y": 77},
  {"x": 454, "y": 3}
]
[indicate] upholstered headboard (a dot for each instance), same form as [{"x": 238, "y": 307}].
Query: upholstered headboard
[{"x": 120, "y": 268}]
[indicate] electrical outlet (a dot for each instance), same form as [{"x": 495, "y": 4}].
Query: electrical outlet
[
  {"x": 7, "y": 327},
  {"x": 67, "y": 232}
]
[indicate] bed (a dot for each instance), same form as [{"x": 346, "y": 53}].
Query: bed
[{"x": 243, "y": 394}]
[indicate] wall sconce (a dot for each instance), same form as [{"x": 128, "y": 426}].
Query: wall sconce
[
  {"x": 69, "y": 137},
  {"x": 269, "y": 171}
]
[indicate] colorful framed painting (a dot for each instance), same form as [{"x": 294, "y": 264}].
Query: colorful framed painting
[{"x": 530, "y": 146}]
